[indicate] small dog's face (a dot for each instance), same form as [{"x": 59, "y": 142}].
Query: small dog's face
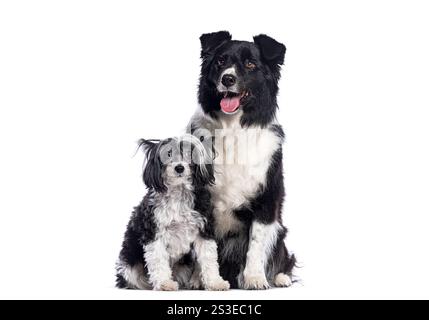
[
  {"x": 175, "y": 162},
  {"x": 240, "y": 75}
]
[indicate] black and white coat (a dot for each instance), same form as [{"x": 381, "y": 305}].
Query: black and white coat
[
  {"x": 169, "y": 241},
  {"x": 247, "y": 196}
]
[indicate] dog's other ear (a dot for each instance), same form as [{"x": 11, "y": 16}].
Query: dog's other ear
[
  {"x": 210, "y": 178},
  {"x": 205, "y": 170},
  {"x": 204, "y": 175},
  {"x": 211, "y": 41},
  {"x": 272, "y": 52}
]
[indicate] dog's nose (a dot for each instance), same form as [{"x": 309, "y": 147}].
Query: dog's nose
[
  {"x": 228, "y": 80},
  {"x": 179, "y": 168}
]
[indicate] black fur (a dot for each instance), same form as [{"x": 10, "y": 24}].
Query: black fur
[
  {"x": 152, "y": 174},
  {"x": 259, "y": 109}
]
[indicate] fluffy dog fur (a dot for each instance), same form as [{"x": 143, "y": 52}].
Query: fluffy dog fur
[
  {"x": 170, "y": 234},
  {"x": 237, "y": 93}
]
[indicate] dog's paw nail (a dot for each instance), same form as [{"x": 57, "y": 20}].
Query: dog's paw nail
[
  {"x": 282, "y": 280},
  {"x": 257, "y": 282},
  {"x": 218, "y": 285},
  {"x": 168, "y": 285}
]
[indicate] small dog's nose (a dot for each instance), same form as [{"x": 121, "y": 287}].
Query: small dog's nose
[
  {"x": 179, "y": 168},
  {"x": 228, "y": 80}
]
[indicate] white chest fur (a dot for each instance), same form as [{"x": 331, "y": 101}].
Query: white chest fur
[
  {"x": 178, "y": 224},
  {"x": 243, "y": 159}
]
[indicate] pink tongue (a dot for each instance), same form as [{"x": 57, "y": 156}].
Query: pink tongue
[{"x": 229, "y": 105}]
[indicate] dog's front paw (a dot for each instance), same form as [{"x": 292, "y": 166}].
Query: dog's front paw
[
  {"x": 282, "y": 280},
  {"x": 255, "y": 282},
  {"x": 167, "y": 285},
  {"x": 217, "y": 285}
]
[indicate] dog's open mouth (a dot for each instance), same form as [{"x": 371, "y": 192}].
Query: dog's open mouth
[{"x": 231, "y": 101}]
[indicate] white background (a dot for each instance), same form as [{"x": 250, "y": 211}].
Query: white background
[{"x": 81, "y": 81}]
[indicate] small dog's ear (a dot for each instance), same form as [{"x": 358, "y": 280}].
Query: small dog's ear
[
  {"x": 147, "y": 145},
  {"x": 204, "y": 176},
  {"x": 210, "y": 178},
  {"x": 204, "y": 166},
  {"x": 211, "y": 41},
  {"x": 272, "y": 52},
  {"x": 152, "y": 172}
]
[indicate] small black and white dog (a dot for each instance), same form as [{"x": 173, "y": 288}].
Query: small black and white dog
[
  {"x": 238, "y": 97},
  {"x": 169, "y": 242}
]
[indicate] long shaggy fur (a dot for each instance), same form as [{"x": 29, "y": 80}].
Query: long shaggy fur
[{"x": 170, "y": 232}]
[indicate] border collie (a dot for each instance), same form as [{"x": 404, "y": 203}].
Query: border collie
[
  {"x": 237, "y": 93},
  {"x": 170, "y": 234}
]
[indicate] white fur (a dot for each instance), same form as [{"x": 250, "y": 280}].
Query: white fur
[
  {"x": 206, "y": 251},
  {"x": 263, "y": 237},
  {"x": 240, "y": 167},
  {"x": 174, "y": 179},
  {"x": 178, "y": 226},
  {"x": 168, "y": 285},
  {"x": 282, "y": 280},
  {"x": 221, "y": 87},
  {"x": 158, "y": 263}
]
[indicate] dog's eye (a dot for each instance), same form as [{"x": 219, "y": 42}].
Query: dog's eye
[
  {"x": 169, "y": 153},
  {"x": 250, "y": 65},
  {"x": 220, "y": 61}
]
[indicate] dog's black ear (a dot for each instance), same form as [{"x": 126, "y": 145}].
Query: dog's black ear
[
  {"x": 152, "y": 172},
  {"x": 272, "y": 52},
  {"x": 211, "y": 41},
  {"x": 210, "y": 178},
  {"x": 147, "y": 145}
]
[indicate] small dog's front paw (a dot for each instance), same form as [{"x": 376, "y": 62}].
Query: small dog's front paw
[
  {"x": 167, "y": 285},
  {"x": 217, "y": 285},
  {"x": 282, "y": 280},
  {"x": 255, "y": 282}
]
